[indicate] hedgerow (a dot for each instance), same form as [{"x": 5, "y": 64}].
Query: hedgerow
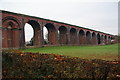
[{"x": 16, "y": 64}]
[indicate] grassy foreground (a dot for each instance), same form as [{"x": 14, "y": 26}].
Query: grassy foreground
[{"x": 105, "y": 52}]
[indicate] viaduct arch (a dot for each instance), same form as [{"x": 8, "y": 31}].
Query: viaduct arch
[
  {"x": 13, "y": 35},
  {"x": 63, "y": 35}
]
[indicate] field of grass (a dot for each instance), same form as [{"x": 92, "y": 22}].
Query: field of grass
[{"x": 105, "y": 52}]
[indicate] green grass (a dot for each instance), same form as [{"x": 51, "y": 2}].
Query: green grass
[{"x": 106, "y": 52}]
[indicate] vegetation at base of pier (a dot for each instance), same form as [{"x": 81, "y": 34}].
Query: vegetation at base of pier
[
  {"x": 105, "y": 52},
  {"x": 16, "y": 64}
]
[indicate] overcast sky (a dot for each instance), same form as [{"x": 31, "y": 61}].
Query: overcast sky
[{"x": 101, "y": 15}]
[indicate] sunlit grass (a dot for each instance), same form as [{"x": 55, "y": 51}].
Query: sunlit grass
[{"x": 107, "y": 52}]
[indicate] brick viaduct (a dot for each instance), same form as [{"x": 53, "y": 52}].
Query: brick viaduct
[{"x": 13, "y": 35}]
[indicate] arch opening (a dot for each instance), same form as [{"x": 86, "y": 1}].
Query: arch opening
[
  {"x": 52, "y": 34},
  {"x": 98, "y": 39},
  {"x": 102, "y": 39},
  {"x": 32, "y": 34},
  {"x": 105, "y": 39},
  {"x": 62, "y": 32},
  {"x": 113, "y": 40},
  {"x": 81, "y": 37},
  {"x": 88, "y": 38},
  {"x": 93, "y": 38},
  {"x": 29, "y": 33},
  {"x": 109, "y": 40},
  {"x": 73, "y": 36},
  {"x": 45, "y": 35}
]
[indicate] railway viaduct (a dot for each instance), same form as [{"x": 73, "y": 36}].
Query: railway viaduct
[{"x": 13, "y": 34}]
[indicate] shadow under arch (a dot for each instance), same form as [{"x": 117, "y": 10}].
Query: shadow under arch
[
  {"x": 94, "y": 38},
  {"x": 73, "y": 36},
  {"x": 102, "y": 39},
  {"x": 109, "y": 40},
  {"x": 98, "y": 39},
  {"x": 81, "y": 37},
  {"x": 52, "y": 34},
  {"x": 88, "y": 38},
  {"x": 105, "y": 39},
  {"x": 62, "y": 35}
]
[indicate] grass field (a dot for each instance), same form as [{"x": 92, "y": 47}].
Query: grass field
[{"x": 105, "y": 52}]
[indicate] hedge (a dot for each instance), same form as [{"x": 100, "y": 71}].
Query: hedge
[{"x": 16, "y": 64}]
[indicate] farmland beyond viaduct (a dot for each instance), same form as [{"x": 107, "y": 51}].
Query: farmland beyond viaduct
[{"x": 13, "y": 34}]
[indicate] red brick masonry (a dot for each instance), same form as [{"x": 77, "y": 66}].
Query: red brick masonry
[{"x": 13, "y": 35}]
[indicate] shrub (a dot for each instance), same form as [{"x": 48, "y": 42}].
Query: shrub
[{"x": 18, "y": 64}]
